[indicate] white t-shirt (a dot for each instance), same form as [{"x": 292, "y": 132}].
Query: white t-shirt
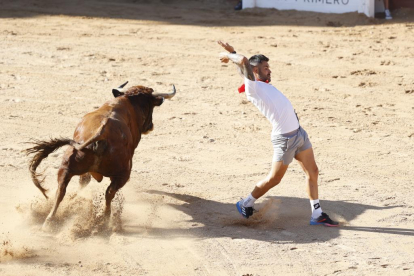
[{"x": 273, "y": 105}]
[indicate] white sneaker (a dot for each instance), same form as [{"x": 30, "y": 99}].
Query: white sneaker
[
  {"x": 388, "y": 15},
  {"x": 246, "y": 212}
]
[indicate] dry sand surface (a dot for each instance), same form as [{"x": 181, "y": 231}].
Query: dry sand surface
[{"x": 350, "y": 79}]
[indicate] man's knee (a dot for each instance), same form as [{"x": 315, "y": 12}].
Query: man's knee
[
  {"x": 313, "y": 173},
  {"x": 273, "y": 181},
  {"x": 268, "y": 183}
]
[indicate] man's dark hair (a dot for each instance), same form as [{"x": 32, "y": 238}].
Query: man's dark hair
[{"x": 257, "y": 59}]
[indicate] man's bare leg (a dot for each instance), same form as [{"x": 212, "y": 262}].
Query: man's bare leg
[
  {"x": 274, "y": 177},
  {"x": 245, "y": 206},
  {"x": 306, "y": 160}
]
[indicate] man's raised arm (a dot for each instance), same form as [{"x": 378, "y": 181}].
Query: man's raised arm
[{"x": 241, "y": 61}]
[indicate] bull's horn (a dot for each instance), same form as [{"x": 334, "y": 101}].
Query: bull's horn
[
  {"x": 166, "y": 95},
  {"x": 120, "y": 88},
  {"x": 122, "y": 85}
]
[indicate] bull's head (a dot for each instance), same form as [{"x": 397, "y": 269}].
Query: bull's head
[{"x": 144, "y": 100}]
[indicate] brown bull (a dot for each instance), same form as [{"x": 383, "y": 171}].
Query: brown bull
[{"x": 103, "y": 143}]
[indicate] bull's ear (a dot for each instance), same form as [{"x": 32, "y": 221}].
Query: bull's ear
[{"x": 117, "y": 93}]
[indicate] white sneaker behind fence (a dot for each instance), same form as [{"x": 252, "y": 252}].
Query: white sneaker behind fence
[{"x": 388, "y": 15}]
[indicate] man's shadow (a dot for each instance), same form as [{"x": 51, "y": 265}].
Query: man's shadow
[{"x": 279, "y": 219}]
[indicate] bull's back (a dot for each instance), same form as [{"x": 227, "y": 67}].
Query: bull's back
[
  {"x": 89, "y": 125},
  {"x": 111, "y": 122},
  {"x": 92, "y": 122},
  {"x": 105, "y": 137},
  {"x": 109, "y": 135}
]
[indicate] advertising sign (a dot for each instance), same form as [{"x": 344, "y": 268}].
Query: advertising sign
[{"x": 326, "y": 6}]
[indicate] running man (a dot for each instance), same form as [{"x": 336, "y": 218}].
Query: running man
[{"x": 289, "y": 139}]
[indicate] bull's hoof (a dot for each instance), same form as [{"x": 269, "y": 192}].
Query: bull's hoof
[
  {"x": 101, "y": 223},
  {"x": 49, "y": 226},
  {"x": 116, "y": 225},
  {"x": 103, "y": 218}
]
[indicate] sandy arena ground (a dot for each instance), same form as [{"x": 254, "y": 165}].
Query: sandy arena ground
[{"x": 350, "y": 79}]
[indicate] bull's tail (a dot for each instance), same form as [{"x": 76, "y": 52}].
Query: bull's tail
[{"x": 41, "y": 150}]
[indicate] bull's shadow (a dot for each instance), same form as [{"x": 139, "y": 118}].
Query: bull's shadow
[{"x": 279, "y": 219}]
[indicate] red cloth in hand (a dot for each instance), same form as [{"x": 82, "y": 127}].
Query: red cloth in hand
[{"x": 242, "y": 88}]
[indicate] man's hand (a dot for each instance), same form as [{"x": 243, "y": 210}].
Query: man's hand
[
  {"x": 226, "y": 46},
  {"x": 224, "y": 57}
]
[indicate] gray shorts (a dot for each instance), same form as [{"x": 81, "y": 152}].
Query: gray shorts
[{"x": 287, "y": 146}]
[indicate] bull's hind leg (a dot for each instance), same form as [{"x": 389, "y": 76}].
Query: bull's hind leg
[
  {"x": 63, "y": 179},
  {"x": 116, "y": 184}
]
